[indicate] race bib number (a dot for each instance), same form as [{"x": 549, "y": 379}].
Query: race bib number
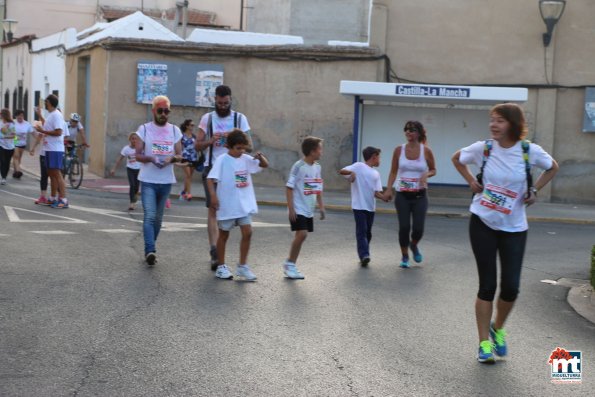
[
  {"x": 162, "y": 148},
  {"x": 312, "y": 186},
  {"x": 408, "y": 184},
  {"x": 498, "y": 198},
  {"x": 132, "y": 159},
  {"x": 241, "y": 178}
]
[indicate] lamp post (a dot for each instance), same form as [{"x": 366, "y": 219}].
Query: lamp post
[
  {"x": 551, "y": 11},
  {"x": 9, "y": 26}
]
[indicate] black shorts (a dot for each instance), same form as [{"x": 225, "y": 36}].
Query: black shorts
[{"x": 302, "y": 223}]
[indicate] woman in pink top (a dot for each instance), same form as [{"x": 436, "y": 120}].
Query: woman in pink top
[{"x": 412, "y": 165}]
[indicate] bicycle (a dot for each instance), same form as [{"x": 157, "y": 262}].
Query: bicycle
[{"x": 72, "y": 167}]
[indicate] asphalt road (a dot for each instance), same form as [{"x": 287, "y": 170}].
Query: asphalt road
[{"x": 81, "y": 315}]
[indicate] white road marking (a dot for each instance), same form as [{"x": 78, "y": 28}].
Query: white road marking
[
  {"x": 4, "y": 235},
  {"x": 57, "y": 232},
  {"x": 117, "y": 231},
  {"x": 11, "y": 212}
]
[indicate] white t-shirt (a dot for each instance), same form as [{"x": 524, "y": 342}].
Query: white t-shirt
[
  {"x": 7, "y": 134},
  {"x": 221, "y": 126},
  {"x": 22, "y": 129},
  {"x": 53, "y": 121},
  {"x": 130, "y": 154},
  {"x": 234, "y": 185},
  {"x": 306, "y": 182},
  {"x": 367, "y": 182},
  {"x": 501, "y": 205},
  {"x": 159, "y": 142},
  {"x": 73, "y": 131}
]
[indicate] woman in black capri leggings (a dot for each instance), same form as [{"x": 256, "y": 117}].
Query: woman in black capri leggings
[
  {"x": 412, "y": 165},
  {"x": 498, "y": 223}
]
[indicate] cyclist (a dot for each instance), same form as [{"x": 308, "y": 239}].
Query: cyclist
[{"x": 75, "y": 128}]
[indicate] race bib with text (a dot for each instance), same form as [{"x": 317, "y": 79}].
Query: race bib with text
[
  {"x": 498, "y": 198},
  {"x": 241, "y": 178},
  {"x": 312, "y": 186},
  {"x": 408, "y": 184}
]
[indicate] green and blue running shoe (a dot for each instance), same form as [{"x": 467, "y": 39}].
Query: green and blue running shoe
[
  {"x": 485, "y": 354},
  {"x": 499, "y": 337}
]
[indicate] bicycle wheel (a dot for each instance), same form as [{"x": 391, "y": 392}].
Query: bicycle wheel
[
  {"x": 75, "y": 174},
  {"x": 66, "y": 166}
]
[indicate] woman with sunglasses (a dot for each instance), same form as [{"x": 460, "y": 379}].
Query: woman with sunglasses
[
  {"x": 190, "y": 154},
  {"x": 412, "y": 164}
]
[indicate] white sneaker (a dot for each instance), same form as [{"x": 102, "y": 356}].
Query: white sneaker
[
  {"x": 3, "y": 181},
  {"x": 223, "y": 272},
  {"x": 245, "y": 272},
  {"x": 292, "y": 272}
]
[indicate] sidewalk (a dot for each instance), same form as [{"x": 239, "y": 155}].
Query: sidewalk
[{"x": 444, "y": 201}]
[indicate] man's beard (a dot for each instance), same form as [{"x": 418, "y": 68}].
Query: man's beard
[
  {"x": 160, "y": 120},
  {"x": 223, "y": 112}
]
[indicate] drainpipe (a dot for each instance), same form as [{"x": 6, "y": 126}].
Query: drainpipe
[{"x": 378, "y": 30}]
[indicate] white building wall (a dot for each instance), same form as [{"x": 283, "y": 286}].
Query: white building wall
[
  {"x": 48, "y": 69},
  {"x": 15, "y": 73}
]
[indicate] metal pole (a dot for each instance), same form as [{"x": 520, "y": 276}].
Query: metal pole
[{"x": 241, "y": 15}]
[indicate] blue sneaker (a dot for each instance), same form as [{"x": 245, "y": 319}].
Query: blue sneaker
[
  {"x": 60, "y": 204},
  {"x": 405, "y": 263},
  {"x": 499, "y": 338},
  {"x": 485, "y": 354},
  {"x": 417, "y": 256}
]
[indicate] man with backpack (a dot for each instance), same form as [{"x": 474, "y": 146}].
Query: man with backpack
[{"x": 211, "y": 139}]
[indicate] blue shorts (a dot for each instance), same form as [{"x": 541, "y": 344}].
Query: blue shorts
[
  {"x": 228, "y": 224},
  {"x": 53, "y": 160}
]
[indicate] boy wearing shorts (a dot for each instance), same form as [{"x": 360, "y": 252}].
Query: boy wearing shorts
[
  {"x": 234, "y": 199},
  {"x": 365, "y": 187},
  {"x": 303, "y": 189}
]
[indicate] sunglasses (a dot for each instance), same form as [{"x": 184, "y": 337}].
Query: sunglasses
[
  {"x": 411, "y": 130},
  {"x": 165, "y": 111}
]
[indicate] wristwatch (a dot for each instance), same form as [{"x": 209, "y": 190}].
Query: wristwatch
[{"x": 533, "y": 190}]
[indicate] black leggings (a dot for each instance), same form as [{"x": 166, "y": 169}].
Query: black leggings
[
  {"x": 43, "y": 180},
  {"x": 5, "y": 156},
  {"x": 510, "y": 246},
  {"x": 411, "y": 205},
  {"x": 133, "y": 183}
]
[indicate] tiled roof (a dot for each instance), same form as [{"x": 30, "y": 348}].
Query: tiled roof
[{"x": 195, "y": 17}]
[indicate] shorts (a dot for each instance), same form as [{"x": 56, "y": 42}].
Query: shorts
[
  {"x": 21, "y": 146},
  {"x": 302, "y": 223},
  {"x": 53, "y": 160},
  {"x": 228, "y": 224}
]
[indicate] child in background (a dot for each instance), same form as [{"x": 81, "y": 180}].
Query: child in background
[
  {"x": 365, "y": 186},
  {"x": 234, "y": 199},
  {"x": 303, "y": 190},
  {"x": 132, "y": 168}
]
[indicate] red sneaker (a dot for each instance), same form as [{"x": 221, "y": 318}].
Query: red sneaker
[{"x": 41, "y": 200}]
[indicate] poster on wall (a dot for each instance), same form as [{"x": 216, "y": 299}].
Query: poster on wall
[
  {"x": 589, "y": 117},
  {"x": 151, "y": 81},
  {"x": 206, "y": 82},
  {"x": 184, "y": 83}
]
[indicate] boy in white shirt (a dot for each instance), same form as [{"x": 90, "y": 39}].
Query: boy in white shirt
[
  {"x": 303, "y": 189},
  {"x": 234, "y": 199},
  {"x": 365, "y": 186}
]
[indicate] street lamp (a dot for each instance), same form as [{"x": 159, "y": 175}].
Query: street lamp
[
  {"x": 551, "y": 11},
  {"x": 9, "y": 26}
]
